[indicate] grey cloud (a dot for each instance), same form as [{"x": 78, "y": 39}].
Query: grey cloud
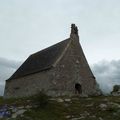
[
  {"x": 28, "y": 26},
  {"x": 7, "y": 68},
  {"x": 107, "y": 74},
  {"x": 9, "y": 63}
]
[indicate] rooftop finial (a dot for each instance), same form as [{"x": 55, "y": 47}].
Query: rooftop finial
[{"x": 74, "y": 29}]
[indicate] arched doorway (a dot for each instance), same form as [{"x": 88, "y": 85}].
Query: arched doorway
[{"x": 78, "y": 88}]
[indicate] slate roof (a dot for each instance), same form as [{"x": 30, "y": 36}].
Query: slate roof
[{"x": 41, "y": 60}]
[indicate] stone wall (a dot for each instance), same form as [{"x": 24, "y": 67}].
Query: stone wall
[
  {"x": 28, "y": 85},
  {"x": 72, "y": 68}
]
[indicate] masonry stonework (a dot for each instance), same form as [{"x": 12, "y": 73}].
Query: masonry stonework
[{"x": 69, "y": 70}]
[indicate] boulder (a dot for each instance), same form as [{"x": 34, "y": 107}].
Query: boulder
[
  {"x": 103, "y": 106},
  {"x": 60, "y": 100},
  {"x": 67, "y": 100},
  {"x": 116, "y": 90}
]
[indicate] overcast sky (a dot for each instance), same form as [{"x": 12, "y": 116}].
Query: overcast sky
[{"x": 27, "y": 26}]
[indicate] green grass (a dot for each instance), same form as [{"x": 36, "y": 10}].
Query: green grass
[
  {"x": 53, "y": 111},
  {"x": 87, "y": 107}
]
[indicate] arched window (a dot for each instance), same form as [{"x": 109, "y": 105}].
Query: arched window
[{"x": 78, "y": 88}]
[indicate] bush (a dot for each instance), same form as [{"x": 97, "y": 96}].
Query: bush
[
  {"x": 41, "y": 100},
  {"x": 116, "y": 88}
]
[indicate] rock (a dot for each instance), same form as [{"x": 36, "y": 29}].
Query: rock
[
  {"x": 116, "y": 90},
  {"x": 88, "y": 98},
  {"x": 113, "y": 105},
  {"x": 85, "y": 114},
  {"x": 28, "y": 107},
  {"x": 68, "y": 116},
  {"x": 53, "y": 99},
  {"x": 67, "y": 100},
  {"x": 20, "y": 107},
  {"x": 19, "y": 112},
  {"x": 60, "y": 100},
  {"x": 78, "y": 118},
  {"x": 28, "y": 101},
  {"x": 1, "y": 115},
  {"x": 100, "y": 118},
  {"x": 66, "y": 105},
  {"x": 105, "y": 100},
  {"x": 115, "y": 93},
  {"x": 84, "y": 95},
  {"x": 89, "y": 105},
  {"x": 75, "y": 98},
  {"x": 14, "y": 109},
  {"x": 93, "y": 116},
  {"x": 103, "y": 106},
  {"x": 14, "y": 115}
]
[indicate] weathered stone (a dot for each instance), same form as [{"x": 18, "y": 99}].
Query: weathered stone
[
  {"x": 60, "y": 100},
  {"x": 84, "y": 95},
  {"x": 90, "y": 105},
  {"x": 59, "y": 70},
  {"x": 105, "y": 100},
  {"x": 67, "y": 100},
  {"x": 68, "y": 116},
  {"x": 100, "y": 118},
  {"x": 113, "y": 105},
  {"x": 85, "y": 114},
  {"x": 103, "y": 106},
  {"x": 115, "y": 93},
  {"x": 53, "y": 99},
  {"x": 66, "y": 105},
  {"x": 14, "y": 109},
  {"x": 19, "y": 112},
  {"x": 116, "y": 90},
  {"x": 14, "y": 115},
  {"x": 78, "y": 118},
  {"x": 1, "y": 116},
  {"x": 21, "y": 107},
  {"x": 93, "y": 116},
  {"x": 28, "y": 107},
  {"x": 89, "y": 99}
]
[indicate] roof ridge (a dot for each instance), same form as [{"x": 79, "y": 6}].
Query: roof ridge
[
  {"x": 49, "y": 46},
  {"x": 62, "y": 54}
]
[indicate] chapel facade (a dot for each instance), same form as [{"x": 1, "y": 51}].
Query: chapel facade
[{"x": 61, "y": 69}]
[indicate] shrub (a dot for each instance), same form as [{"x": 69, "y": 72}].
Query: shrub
[
  {"x": 41, "y": 100},
  {"x": 116, "y": 88}
]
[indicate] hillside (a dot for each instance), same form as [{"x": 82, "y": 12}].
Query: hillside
[{"x": 65, "y": 108}]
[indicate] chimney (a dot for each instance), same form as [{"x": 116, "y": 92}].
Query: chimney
[{"x": 74, "y": 31}]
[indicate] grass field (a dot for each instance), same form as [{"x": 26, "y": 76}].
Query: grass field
[{"x": 75, "y": 108}]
